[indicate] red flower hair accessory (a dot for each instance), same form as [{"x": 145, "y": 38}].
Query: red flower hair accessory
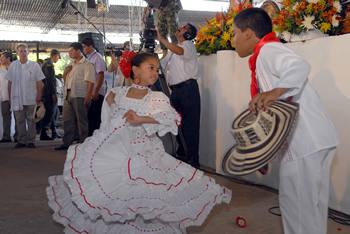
[{"x": 125, "y": 62}]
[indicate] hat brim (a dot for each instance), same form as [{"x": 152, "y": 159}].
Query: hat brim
[
  {"x": 39, "y": 114},
  {"x": 246, "y": 160}
]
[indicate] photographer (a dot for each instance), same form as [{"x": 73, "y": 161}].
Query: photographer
[
  {"x": 182, "y": 64},
  {"x": 113, "y": 67}
]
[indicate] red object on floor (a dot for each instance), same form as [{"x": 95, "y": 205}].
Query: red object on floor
[{"x": 241, "y": 222}]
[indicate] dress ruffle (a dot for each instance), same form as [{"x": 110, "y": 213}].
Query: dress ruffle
[{"x": 121, "y": 181}]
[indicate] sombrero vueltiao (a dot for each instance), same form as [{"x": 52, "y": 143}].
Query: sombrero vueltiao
[
  {"x": 39, "y": 112},
  {"x": 259, "y": 137}
]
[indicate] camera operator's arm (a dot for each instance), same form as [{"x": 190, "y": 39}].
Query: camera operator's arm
[
  {"x": 114, "y": 64},
  {"x": 172, "y": 47}
]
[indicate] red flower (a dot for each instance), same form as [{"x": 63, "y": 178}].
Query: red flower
[
  {"x": 241, "y": 222},
  {"x": 125, "y": 62}
]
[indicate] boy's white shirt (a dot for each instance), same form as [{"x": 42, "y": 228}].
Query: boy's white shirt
[{"x": 277, "y": 66}]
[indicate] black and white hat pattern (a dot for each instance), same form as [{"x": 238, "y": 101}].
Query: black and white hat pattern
[{"x": 259, "y": 137}]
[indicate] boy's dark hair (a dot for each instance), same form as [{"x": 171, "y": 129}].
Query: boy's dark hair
[
  {"x": 9, "y": 54},
  {"x": 88, "y": 42},
  {"x": 192, "y": 30},
  {"x": 138, "y": 59},
  {"x": 77, "y": 46},
  {"x": 256, "y": 19},
  {"x": 40, "y": 60}
]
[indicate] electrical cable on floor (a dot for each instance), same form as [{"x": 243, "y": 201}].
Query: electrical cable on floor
[{"x": 335, "y": 215}]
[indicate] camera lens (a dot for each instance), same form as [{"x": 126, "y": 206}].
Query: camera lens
[{"x": 149, "y": 33}]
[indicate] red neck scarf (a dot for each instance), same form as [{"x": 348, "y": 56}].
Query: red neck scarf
[{"x": 271, "y": 37}]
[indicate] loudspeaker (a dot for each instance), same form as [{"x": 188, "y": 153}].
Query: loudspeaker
[
  {"x": 98, "y": 40},
  {"x": 91, "y": 3}
]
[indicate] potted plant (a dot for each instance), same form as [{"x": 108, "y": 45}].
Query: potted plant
[
  {"x": 300, "y": 17},
  {"x": 217, "y": 34}
]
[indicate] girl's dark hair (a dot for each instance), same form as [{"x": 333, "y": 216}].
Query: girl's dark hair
[
  {"x": 256, "y": 19},
  {"x": 140, "y": 58},
  {"x": 9, "y": 54}
]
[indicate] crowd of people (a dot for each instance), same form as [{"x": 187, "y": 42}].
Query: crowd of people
[{"x": 128, "y": 182}]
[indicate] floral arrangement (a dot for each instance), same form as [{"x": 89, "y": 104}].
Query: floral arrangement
[
  {"x": 298, "y": 16},
  {"x": 217, "y": 34},
  {"x": 125, "y": 62}
]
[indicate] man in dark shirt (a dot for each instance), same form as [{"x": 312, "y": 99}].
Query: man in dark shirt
[{"x": 49, "y": 97}]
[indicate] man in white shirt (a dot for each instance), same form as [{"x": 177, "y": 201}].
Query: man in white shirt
[
  {"x": 6, "y": 59},
  {"x": 182, "y": 64},
  {"x": 94, "y": 115},
  {"x": 79, "y": 77},
  {"x": 24, "y": 87}
]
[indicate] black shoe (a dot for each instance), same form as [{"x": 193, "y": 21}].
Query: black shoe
[
  {"x": 44, "y": 137},
  {"x": 31, "y": 145},
  {"x": 4, "y": 141},
  {"x": 55, "y": 135},
  {"x": 62, "y": 147}
]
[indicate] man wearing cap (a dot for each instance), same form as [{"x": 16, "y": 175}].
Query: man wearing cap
[
  {"x": 96, "y": 58},
  {"x": 49, "y": 97},
  {"x": 24, "y": 87}
]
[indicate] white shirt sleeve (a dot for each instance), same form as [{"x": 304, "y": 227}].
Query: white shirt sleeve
[
  {"x": 291, "y": 69},
  {"x": 189, "y": 53},
  {"x": 89, "y": 74},
  {"x": 39, "y": 75},
  {"x": 164, "y": 113},
  {"x": 10, "y": 72}
]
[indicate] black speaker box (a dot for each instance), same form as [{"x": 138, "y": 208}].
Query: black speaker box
[
  {"x": 98, "y": 40},
  {"x": 91, "y": 3}
]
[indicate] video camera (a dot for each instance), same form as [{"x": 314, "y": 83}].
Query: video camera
[
  {"x": 118, "y": 51},
  {"x": 148, "y": 36}
]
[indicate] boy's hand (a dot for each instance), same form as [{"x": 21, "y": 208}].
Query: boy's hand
[{"x": 263, "y": 100}]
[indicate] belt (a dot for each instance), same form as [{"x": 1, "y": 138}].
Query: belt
[{"x": 182, "y": 84}]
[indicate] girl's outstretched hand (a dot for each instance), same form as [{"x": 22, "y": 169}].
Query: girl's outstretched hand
[{"x": 132, "y": 117}]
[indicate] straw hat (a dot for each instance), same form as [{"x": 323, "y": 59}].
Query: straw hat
[
  {"x": 259, "y": 137},
  {"x": 39, "y": 112}
]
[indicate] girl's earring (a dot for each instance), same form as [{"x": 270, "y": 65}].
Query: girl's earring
[{"x": 137, "y": 80}]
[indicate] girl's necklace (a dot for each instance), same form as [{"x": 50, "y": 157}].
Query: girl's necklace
[{"x": 138, "y": 86}]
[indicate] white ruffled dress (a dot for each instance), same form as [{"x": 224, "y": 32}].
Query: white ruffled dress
[{"x": 121, "y": 180}]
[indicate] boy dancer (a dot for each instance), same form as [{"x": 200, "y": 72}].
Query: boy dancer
[{"x": 278, "y": 73}]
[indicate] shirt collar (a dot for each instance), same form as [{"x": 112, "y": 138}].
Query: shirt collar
[
  {"x": 89, "y": 56},
  {"x": 81, "y": 60},
  {"x": 26, "y": 63}
]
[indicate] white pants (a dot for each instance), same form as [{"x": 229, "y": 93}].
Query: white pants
[{"x": 304, "y": 193}]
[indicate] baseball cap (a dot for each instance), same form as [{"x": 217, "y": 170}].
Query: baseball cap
[{"x": 54, "y": 52}]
